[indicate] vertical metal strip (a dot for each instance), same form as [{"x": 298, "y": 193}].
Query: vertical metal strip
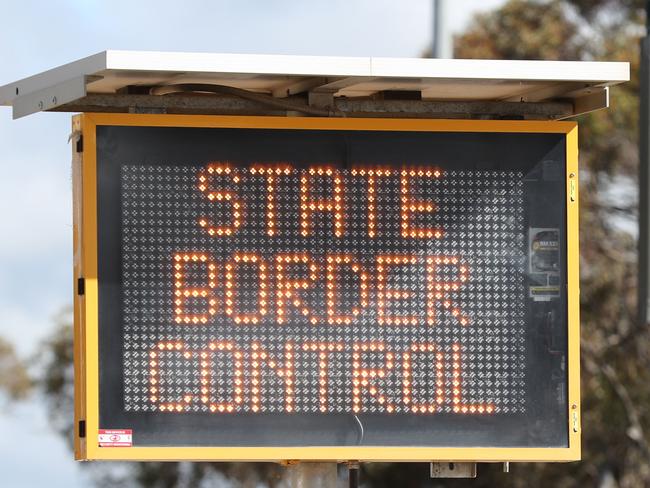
[
  {"x": 573, "y": 290},
  {"x": 90, "y": 310},
  {"x": 644, "y": 181},
  {"x": 77, "y": 240}
]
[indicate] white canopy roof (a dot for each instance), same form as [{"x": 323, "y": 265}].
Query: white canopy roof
[{"x": 326, "y": 79}]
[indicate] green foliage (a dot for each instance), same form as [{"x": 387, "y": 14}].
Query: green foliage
[
  {"x": 591, "y": 9},
  {"x": 55, "y": 374},
  {"x": 522, "y": 30},
  {"x": 14, "y": 378}
]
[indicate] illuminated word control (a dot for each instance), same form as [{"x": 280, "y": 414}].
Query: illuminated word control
[{"x": 251, "y": 366}]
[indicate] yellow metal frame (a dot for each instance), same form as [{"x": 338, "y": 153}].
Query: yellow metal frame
[{"x": 86, "y": 305}]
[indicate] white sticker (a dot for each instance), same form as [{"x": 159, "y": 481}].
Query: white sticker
[{"x": 115, "y": 437}]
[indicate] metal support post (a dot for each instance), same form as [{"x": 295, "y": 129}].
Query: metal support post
[
  {"x": 353, "y": 474},
  {"x": 442, "y": 44},
  {"x": 644, "y": 176}
]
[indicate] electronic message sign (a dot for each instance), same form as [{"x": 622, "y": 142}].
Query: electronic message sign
[{"x": 263, "y": 288}]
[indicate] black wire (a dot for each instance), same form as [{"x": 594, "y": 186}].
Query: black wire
[{"x": 238, "y": 92}]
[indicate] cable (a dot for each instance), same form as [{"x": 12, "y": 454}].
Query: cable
[
  {"x": 238, "y": 92},
  {"x": 360, "y": 430}
]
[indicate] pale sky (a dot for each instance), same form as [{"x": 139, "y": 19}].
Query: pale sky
[{"x": 35, "y": 186}]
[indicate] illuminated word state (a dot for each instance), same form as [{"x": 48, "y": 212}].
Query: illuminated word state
[
  {"x": 283, "y": 282},
  {"x": 240, "y": 388},
  {"x": 227, "y": 194}
]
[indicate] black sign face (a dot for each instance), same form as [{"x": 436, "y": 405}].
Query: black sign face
[{"x": 267, "y": 287}]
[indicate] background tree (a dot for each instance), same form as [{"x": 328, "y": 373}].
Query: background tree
[
  {"x": 615, "y": 348},
  {"x": 15, "y": 381}
]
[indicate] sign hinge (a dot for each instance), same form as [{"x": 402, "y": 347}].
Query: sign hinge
[
  {"x": 81, "y": 286},
  {"x": 82, "y": 428},
  {"x": 80, "y": 144}
]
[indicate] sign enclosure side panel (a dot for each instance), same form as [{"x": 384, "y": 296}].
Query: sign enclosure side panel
[
  {"x": 78, "y": 301},
  {"x": 86, "y": 295}
]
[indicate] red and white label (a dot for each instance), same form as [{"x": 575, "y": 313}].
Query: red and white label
[{"x": 115, "y": 437}]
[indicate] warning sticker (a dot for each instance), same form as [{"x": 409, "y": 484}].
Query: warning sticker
[
  {"x": 115, "y": 437},
  {"x": 544, "y": 253}
]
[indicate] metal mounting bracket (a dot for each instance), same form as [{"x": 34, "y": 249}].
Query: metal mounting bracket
[{"x": 453, "y": 470}]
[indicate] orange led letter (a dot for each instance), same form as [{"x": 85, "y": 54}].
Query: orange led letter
[
  {"x": 386, "y": 294},
  {"x": 333, "y": 205},
  {"x": 332, "y": 294},
  {"x": 206, "y": 371},
  {"x": 407, "y": 381},
  {"x": 410, "y": 206},
  {"x": 371, "y": 174},
  {"x": 456, "y": 389},
  {"x": 231, "y": 288},
  {"x": 227, "y": 196},
  {"x": 285, "y": 371},
  {"x": 362, "y": 375},
  {"x": 183, "y": 293},
  {"x": 324, "y": 349},
  {"x": 155, "y": 386},
  {"x": 287, "y": 289},
  {"x": 271, "y": 173},
  {"x": 437, "y": 289}
]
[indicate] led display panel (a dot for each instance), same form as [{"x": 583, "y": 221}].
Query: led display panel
[{"x": 272, "y": 285}]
